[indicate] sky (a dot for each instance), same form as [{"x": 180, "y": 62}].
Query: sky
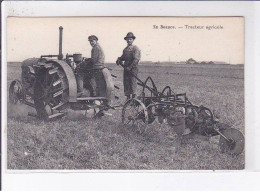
[{"x": 185, "y": 37}]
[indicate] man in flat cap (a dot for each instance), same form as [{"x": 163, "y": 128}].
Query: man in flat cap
[
  {"x": 95, "y": 64},
  {"x": 131, "y": 57}
]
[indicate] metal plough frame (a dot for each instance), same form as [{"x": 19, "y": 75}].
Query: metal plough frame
[{"x": 200, "y": 119}]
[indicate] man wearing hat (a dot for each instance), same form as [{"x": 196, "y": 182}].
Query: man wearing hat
[
  {"x": 94, "y": 65},
  {"x": 131, "y": 57}
]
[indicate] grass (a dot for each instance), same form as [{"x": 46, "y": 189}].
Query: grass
[{"x": 77, "y": 142}]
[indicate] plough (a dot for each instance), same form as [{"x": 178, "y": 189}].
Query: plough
[{"x": 180, "y": 114}]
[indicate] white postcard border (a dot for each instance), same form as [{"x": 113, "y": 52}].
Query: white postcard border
[{"x": 151, "y": 180}]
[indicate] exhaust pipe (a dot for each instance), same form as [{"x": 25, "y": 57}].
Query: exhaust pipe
[{"x": 60, "y": 44}]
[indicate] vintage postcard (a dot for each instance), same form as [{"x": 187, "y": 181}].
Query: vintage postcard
[{"x": 125, "y": 93}]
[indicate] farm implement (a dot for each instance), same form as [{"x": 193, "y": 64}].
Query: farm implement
[
  {"x": 180, "y": 114},
  {"x": 49, "y": 85}
]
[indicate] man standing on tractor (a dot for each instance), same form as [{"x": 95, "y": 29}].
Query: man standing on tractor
[
  {"x": 94, "y": 66},
  {"x": 131, "y": 57}
]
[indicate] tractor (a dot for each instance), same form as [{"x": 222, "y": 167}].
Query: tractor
[{"x": 49, "y": 85}]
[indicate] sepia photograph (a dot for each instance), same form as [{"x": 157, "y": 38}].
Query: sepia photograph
[{"x": 125, "y": 93}]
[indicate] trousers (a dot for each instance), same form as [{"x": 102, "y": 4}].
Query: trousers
[
  {"x": 89, "y": 80},
  {"x": 80, "y": 83},
  {"x": 130, "y": 82}
]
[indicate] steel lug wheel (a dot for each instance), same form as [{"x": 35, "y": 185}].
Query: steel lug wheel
[{"x": 50, "y": 92}]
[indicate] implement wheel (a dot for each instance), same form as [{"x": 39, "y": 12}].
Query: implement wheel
[
  {"x": 235, "y": 142},
  {"x": 50, "y": 92},
  {"x": 135, "y": 114},
  {"x": 16, "y": 92}
]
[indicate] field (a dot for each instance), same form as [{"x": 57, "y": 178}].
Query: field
[{"x": 78, "y": 142}]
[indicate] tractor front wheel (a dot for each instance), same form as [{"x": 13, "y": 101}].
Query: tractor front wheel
[{"x": 16, "y": 92}]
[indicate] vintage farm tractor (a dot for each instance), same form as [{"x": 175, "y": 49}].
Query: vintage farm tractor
[{"x": 49, "y": 85}]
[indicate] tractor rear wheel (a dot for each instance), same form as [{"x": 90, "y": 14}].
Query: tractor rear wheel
[{"x": 50, "y": 92}]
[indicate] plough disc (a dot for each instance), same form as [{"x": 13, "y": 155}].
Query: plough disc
[
  {"x": 177, "y": 121},
  {"x": 235, "y": 143},
  {"x": 151, "y": 109}
]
